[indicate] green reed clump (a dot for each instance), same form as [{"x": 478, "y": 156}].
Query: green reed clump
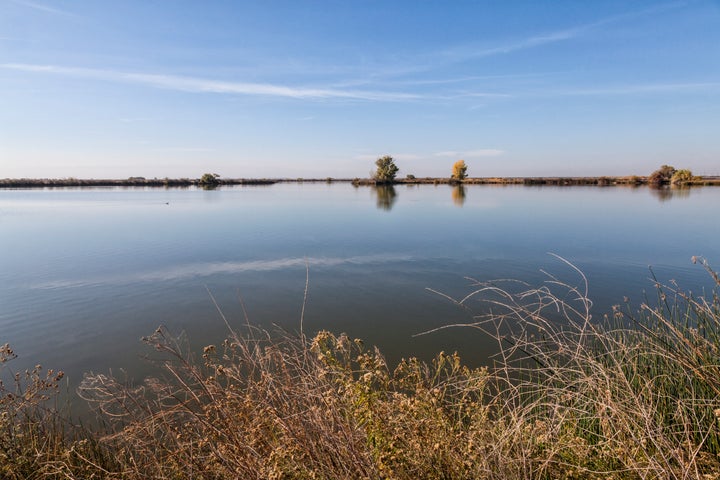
[{"x": 680, "y": 336}]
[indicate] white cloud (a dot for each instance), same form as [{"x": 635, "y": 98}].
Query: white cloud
[
  {"x": 202, "y": 85},
  {"x": 484, "y": 152}
]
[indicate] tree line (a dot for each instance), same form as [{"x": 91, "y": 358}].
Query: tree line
[{"x": 386, "y": 170}]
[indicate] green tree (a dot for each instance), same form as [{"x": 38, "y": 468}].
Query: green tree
[
  {"x": 459, "y": 170},
  {"x": 386, "y": 169}
]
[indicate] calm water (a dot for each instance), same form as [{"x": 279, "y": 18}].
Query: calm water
[{"x": 84, "y": 273}]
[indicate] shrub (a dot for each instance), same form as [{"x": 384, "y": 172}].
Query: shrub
[
  {"x": 661, "y": 176},
  {"x": 681, "y": 177},
  {"x": 209, "y": 180}
]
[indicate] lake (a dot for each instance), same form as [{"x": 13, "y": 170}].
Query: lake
[{"x": 84, "y": 273}]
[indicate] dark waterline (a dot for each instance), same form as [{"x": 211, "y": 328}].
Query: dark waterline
[{"x": 84, "y": 273}]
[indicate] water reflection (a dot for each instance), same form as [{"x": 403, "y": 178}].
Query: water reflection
[
  {"x": 386, "y": 196},
  {"x": 666, "y": 193},
  {"x": 458, "y": 195}
]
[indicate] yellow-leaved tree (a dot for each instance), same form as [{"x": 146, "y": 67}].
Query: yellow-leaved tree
[{"x": 459, "y": 170}]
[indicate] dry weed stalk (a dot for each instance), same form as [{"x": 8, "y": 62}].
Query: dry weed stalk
[
  {"x": 258, "y": 408},
  {"x": 36, "y": 439},
  {"x": 269, "y": 407}
]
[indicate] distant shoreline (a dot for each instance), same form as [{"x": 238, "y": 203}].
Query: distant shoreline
[{"x": 631, "y": 180}]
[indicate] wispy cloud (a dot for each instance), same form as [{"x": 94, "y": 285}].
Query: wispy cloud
[
  {"x": 399, "y": 156},
  {"x": 474, "y": 78},
  {"x": 477, "y": 95},
  {"x": 406, "y": 156},
  {"x": 483, "y": 152},
  {"x": 467, "y": 52},
  {"x": 202, "y": 85},
  {"x": 398, "y": 72},
  {"x": 134, "y": 119},
  {"x": 183, "y": 149},
  {"x": 41, "y": 7},
  {"x": 631, "y": 15},
  {"x": 477, "y": 106},
  {"x": 649, "y": 88}
]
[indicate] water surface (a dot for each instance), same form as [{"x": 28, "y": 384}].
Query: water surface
[{"x": 84, "y": 273}]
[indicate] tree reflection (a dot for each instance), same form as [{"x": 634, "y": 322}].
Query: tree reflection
[
  {"x": 385, "y": 196},
  {"x": 458, "y": 195},
  {"x": 666, "y": 193}
]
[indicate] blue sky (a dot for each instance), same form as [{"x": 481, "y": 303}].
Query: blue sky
[{"x": 313, "y": 89}]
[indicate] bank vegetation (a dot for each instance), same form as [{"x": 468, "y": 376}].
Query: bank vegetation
[
  {"x": 633, "y": 395},
  {"x": 385, "y": 173}
]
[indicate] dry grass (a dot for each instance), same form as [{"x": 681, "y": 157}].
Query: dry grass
[{"x": 634, "y": 395}]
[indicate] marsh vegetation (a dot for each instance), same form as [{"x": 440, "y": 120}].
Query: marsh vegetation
[{"x": 385, "y": 173}]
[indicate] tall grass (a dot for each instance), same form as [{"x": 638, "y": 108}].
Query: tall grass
[{"x": 632, "y": 395}]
